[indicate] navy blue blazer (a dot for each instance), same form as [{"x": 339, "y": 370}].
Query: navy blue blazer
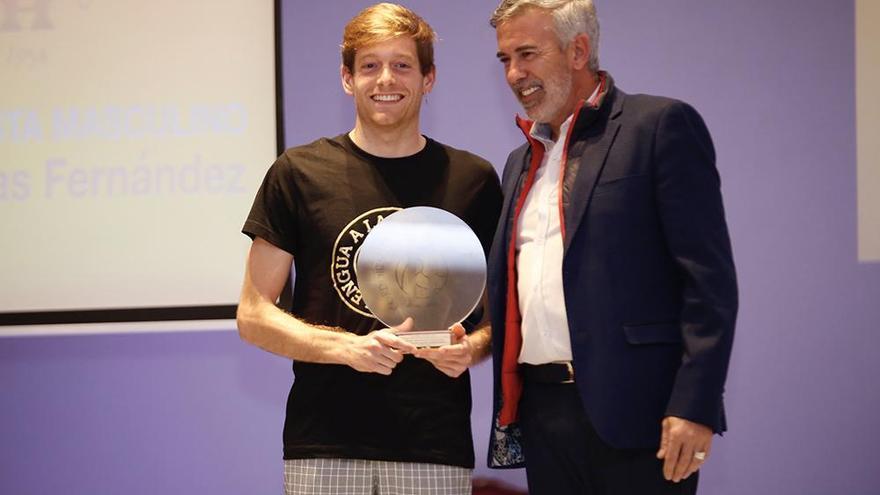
[{"x": 648, "y": 274}]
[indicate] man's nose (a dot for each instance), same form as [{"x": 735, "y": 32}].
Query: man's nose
[
  {"x": 386, "y": 75},
  {"x": 515, "y": 72}
]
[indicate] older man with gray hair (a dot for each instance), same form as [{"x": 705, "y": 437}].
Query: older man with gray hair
[{"x": 611, "y": 280}]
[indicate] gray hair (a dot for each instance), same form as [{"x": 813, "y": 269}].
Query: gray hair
[{"x": 570, "y": 18}]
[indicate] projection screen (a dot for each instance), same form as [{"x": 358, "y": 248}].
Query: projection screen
[
  {"x": 868, "y": 127},
  {"x": 133, "y": 136}
]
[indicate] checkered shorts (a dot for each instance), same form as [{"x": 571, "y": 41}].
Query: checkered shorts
[{"x": 366, "y": 477}]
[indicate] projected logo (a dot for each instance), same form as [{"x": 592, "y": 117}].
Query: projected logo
[
  {"x": 345, "y": 251},
  {"x": 19, "y": 15},
  {"x": 868, "y": 127},
  {"x": 420, "y": 283}
]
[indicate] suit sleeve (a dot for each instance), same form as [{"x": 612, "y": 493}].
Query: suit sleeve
[{"x": 691, "y": 212}]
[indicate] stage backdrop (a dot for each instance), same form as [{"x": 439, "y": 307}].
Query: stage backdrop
[{"x": 776, "y": 83}]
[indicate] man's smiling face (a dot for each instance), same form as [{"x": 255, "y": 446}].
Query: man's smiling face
[
  {"x": 536, "y": 66},
  {"x": 387, "y": 84}
]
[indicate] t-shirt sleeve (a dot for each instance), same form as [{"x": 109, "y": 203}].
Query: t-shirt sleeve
[
  {"x": 274, "y": 212},
  {"x": 484, "y": 217},
  {"x": 487, "y": 210}
]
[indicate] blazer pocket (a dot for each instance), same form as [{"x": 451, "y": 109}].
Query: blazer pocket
[
  {"x": 654, "y": 333},
  {"x": 619, "y": 182}
]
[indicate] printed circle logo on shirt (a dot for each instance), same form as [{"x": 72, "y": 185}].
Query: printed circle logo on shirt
[{"x": 345, "y": 251}]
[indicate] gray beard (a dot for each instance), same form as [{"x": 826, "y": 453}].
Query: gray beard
[{"x": 556, "y": 91}]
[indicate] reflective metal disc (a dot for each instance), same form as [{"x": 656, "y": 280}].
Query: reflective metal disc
[{"x": 421, "y": 262}]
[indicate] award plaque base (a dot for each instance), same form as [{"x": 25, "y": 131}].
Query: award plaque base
[{"x": 427, "y": 338}]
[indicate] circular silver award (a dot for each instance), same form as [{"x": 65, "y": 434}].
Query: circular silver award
[{"x": 424, "y": 263}]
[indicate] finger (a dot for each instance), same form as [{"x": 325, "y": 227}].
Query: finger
[
  {"x": 692, "y": 467},
  {"x": 453, "y": 358},
  {"x": 383, "y": 354},
  {"x": 403, "y": 345},
  {"x": 389, "y": 339},
  {"x": 386, "y": 357},
  {"x": 451, "y": 367},
  {"x": 377, "y": 345},
  {"x": 685, "y": 459},
  {"x": 458, "y": 333},
  {"x": 664, "y": 439},
  {"x": 391, "y": 354},
  {"x": 670, "y": 460},
  {"x": 433, "y": 355},
  {"x": 424, "y": 353},
  {"x": 380, "y": 368},
  {"x": 406, "y": 326},
  {"x": 437, "y": 361},
  {"x": 696, "y": 464},
  {"x": 457, "y": 353}
]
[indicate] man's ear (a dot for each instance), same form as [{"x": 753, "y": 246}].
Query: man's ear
[
  {"x": 579, "y": 51},
  {"x": 428, "y": 81},
  {"x": 347, "y": 80}
]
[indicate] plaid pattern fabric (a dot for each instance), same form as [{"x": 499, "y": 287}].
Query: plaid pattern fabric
[{"x": 366, "y": 477}]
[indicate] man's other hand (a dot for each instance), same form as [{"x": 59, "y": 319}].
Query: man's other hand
[
  {"x": 451, "y": 359},
  {"x": 684, "y": 447}
]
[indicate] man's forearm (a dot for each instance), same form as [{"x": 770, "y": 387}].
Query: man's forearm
[
  {"x": 268, "y": 327},
  {"x": 481, "y": 342}
]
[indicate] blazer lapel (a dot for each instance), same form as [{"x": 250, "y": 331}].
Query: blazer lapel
[{"x": 592, "y": 150}]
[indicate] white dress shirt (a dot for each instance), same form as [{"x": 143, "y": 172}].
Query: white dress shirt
[{"x": 539, "y": 259}]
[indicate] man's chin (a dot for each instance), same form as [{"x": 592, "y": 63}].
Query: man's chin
[
  {"x": 536, "y": 116},
  {"x": 386, "y": 120}
]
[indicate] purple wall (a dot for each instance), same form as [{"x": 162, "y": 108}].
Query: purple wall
[{"x": 202, "y": 412}]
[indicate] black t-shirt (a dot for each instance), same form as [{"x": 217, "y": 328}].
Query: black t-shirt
[{"x": 318, "y": 202}]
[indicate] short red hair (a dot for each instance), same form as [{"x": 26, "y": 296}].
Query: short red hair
[{"x": 385, "y": 21}]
